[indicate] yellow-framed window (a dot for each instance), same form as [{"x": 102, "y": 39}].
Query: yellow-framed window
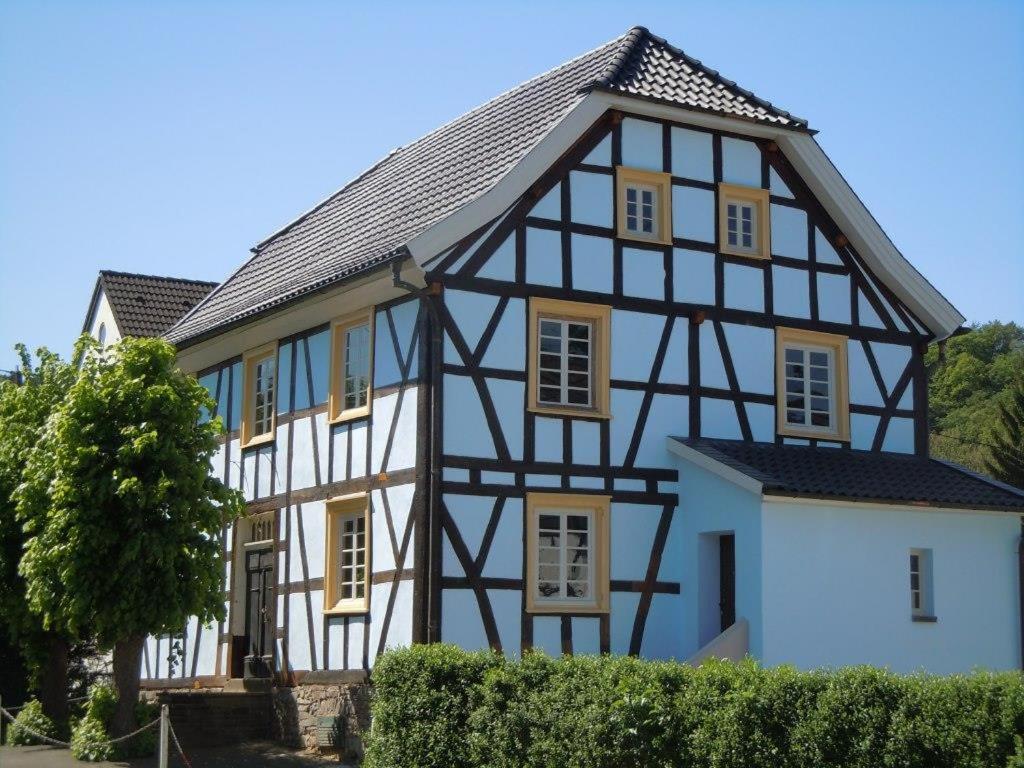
[
  {"x": 568, "y": 549},
  {"x": 643, "y": 205},
  {"x": 259, "y": 387},
  {"x": 744, "y": 221},
  {"x": 569, "y": 349},
  {"x": 348, "y": 557},
  {"x": 351, "y": 394},
  {"x": 811, "y": 384}
]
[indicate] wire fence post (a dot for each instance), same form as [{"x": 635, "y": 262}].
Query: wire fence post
[{"x": 163, "y": 736}]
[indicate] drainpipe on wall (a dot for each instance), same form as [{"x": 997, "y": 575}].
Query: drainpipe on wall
[{"x": 427, "y": 629}]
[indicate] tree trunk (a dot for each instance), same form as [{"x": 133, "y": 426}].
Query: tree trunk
[
  {"x": 127, "y": 660},
  {"x": 53, "y": 678}
]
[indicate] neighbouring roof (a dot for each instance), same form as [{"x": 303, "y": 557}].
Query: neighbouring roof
[
  {"x": 373, "y": 217},
  {"x": 146, "y": 305},
  {"x": 850, "y": 475}
]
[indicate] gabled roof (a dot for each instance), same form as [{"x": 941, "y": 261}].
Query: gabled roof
[
  {"x": 373, "y": 217},
  {"x": 146, "y": 305},
  {"x": 865, "y": 476}
]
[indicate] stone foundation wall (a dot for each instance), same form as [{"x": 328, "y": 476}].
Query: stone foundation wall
[{"x": 297, "y": 711}]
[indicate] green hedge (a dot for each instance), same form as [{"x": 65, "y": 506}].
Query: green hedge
[
  {"x": 31, "y": 718},
  {"x": 438, "y": 706}
]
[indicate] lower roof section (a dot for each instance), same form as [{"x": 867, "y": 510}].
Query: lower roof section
[{"x": 848, "y": 475}]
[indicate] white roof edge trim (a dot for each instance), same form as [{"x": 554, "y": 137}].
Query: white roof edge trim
[
  {"x": 713, "y": 466},
  {"x": 867, "y": 235},
  {"x": 780, "y": 498},
  {"x": 807, "y": 157}
]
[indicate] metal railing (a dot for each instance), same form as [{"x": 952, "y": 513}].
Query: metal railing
[{"x": 167, "y": 734}]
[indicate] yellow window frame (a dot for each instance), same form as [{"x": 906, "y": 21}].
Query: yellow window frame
[
  {"x": 600, "y": 508},
  {"x": 760, "y": 198},
  {"x": 337, "y": 510},
  {"x": 248, "y": 425},
  {"x": 662, "y": 184},
  {"x": 600, "y": 316},
  {"x": 841, "y": 388},
  {"x": 336, "y": 398}
]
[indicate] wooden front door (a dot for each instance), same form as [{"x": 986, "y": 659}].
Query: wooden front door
[
  {"x": 259, "y": 581},
  {"x": 727, "y": 579}
]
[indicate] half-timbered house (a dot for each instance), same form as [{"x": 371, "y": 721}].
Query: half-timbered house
[{"x": 614, "y": 363}]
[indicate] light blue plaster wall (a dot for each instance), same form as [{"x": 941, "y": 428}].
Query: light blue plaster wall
[
  {"x": 635, "y": 338},
  {"x": 501, "y": 265},
  {"x": 643, "y": 273},
  {"x": 709, "y": 504},
  {"x": 834, "y": 298},
  {"x": 549, "y": 206},
  {"x": 741, "y": 162},
  {"x": 744, "y": 287},
  {"x": 692, "y": 156},
  {"x": 693, "y": 213},
  {"x": 789, "y": 231},
  {"x": 641, "y": 144},
  {"x": 465, "y": 428},
  {"x": 592, "y": 198},
  {"x": 601, "y": 154},
  {"x": 836, "y": 588},
  {"x": 544, "y": 256},
  {"x": 791, "y": 295},
  {"x": 753, "y": 356},
  {"x": 592, "y": 261},
  {"x": 507, "y": 349},
  {"x": 693, "y": 276}
]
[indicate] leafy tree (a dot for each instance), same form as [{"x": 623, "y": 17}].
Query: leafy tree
[
  {"x": 1007, "y": 452},
  {"x": 24, "y": 410},
  {"x": 132, "y": 535},
  {"x": 966, "y": 387}
]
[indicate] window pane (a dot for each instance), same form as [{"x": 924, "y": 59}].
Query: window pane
[
  {"x": 356, "y": 374},
  {"x": 819, "y": 358},
  {"x": 794, "y": 355}
]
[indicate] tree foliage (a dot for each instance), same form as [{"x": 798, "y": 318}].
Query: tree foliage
[
  {"x": 1006, "y": 461},
  {"x": 123, "y": 516},
  {"x": 968, "y": 385}
]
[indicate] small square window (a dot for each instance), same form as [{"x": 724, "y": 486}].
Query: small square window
[
  {"x": 644, "y": 205},
  {"x": 260, "y": 389},
  {"x": 568, "y": 554},
  {"x": 569, "y": 357},
  {"x": 347, "y": 582},
  {"x": 351, "y": 367},
  {"x": 744, "y": 226},
  {"x": 811, "y": 396}
]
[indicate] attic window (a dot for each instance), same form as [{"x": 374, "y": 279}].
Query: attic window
[
  {"x": 644, "y": 205},
  {"x": 260, "y": 382},
  {"x": 743, "y": 221}
]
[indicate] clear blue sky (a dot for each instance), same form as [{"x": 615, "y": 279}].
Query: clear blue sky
[{"x": 169, "y": 137}]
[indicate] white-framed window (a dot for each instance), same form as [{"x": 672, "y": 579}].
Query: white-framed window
[
  {"x": 260, "y": 385},
  {"x": 642, "y": 210},
  {"x": 564, "y": 365},
  {"x": 569, "y": 347},
  {"x": 568, "y": 553},
  {"x": 810, "y": 383},
  {"x": 347, "y": 586},
  {"x": 351, "y": 367},
  {"x": 101, "y": 336},
  {"x": 741, "y": 225},
  {"x": 812, "y": 399},
  {"x": 922, "y": 607}
]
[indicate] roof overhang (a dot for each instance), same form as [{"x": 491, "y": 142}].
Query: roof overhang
[{"x": 799, "y": 147}]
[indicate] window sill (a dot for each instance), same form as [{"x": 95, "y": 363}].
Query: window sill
[
  {"x": 577, "y": 413},
  {"x": 353, "y": 611},
  {"x": 624, "y": 235},
  {"x": 266, "y": 437},
  {"x": 924, "y": 619},
  {"x": 351, "y": 415},
  {"x": 756, "y": 255},
  {"x": 810, "y": 434},
  {"x": 566, "y": 610}
]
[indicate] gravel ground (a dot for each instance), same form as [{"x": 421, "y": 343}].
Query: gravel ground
[{"x": 259, "y": 755}]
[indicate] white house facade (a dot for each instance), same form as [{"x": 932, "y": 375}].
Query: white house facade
[{"x": 615, "y": 363}]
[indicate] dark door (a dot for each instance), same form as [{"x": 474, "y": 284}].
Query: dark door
[
  {"x": 727, "y": 579},
  {"x": 259, "y": 570}
]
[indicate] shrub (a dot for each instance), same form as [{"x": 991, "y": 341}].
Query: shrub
[
  {"x": 440, "y": 706},
  {"x": 90, "y": 736},
  {"x": 30, "y": 718}
]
